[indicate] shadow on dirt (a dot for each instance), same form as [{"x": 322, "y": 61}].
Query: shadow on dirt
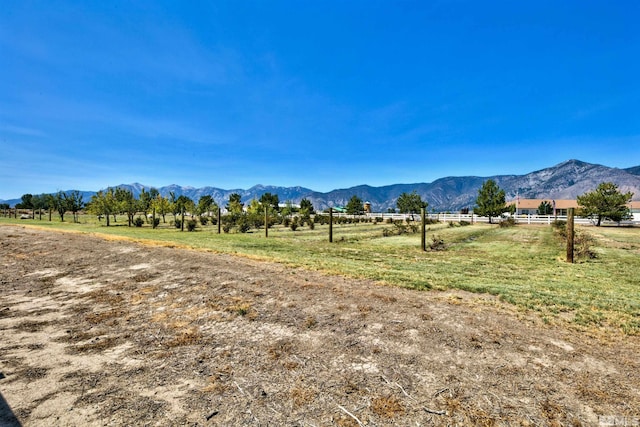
[{"x": 7, "y": 417}]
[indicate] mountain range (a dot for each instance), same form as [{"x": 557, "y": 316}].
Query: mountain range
[{"x": 566, "y": 180}]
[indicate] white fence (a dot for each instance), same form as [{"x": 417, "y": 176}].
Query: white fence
[{"x": 472, "y": 218}]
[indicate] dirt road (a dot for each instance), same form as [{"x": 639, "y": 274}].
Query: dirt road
[{"x": 108, "y": 333}]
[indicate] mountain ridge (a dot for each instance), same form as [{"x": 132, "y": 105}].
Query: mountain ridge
[{"x": 565, "y": 180}]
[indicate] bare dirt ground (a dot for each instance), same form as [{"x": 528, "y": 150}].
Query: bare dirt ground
[{"x": 110, "y": 333}]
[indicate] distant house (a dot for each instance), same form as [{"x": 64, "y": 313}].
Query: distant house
[{"x": 530, "y": 206}]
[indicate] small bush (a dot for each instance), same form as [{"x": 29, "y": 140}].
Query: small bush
[
  {"x": 464, "y": 223},
  {"x": 243, "y": 225},
  {"x": 191, "y": 225},
  {"x": 582, "y": 243},
  {"x": 178, "y": 224},
  {"x": 286, "y": 221},
  {"x": 311, "y": 225},
  {"x": 204, "y": 220},
  {"x": 226, "y": 227},
  {"x": 437, "y": 244},
  {"x": 138, "y": 222},
  {"x": 156, "y": 222},
  {"x": 294, "y": 224},
  {"x": 560, "y": 228},
  {"x": 508, "y": 222}
]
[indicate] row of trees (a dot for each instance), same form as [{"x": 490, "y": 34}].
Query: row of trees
[
  {"x": 61, "y": 202},
  {"x": 118, "y": 201},
  {"x": 605, "y": 202}
]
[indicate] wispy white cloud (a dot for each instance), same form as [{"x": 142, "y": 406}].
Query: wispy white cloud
[{"x": 20, "y": 130}]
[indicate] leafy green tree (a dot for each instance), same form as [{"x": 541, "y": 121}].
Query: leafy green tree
[
  {"x": 162, "y": 206},
  {"x": 38, "y": 202},
  {"x": 490, "y": 201},
  {"x": 153, "y": 193},
  {"x": 172, "y": 202},
  {"x": 411, "y": 203},
  {"x": 60, "y": 203},
  {"x": 183, "y": 203},
  {"x": 205, "y": 205},
  {"x": 355, "y": 206},
  {"x": 306, "y": 207},
  {"x": 235, "y": 205},
  {"x": 127, "y": 203},
  {"x": 605, "y": 202},
  {"x": 255, "y": 214},
  {"x": 74, "y": 203},
  {"x": 271, "y": 200},
  {"x": 50, "y": 203},
  {"x": 144, "y": 202},
  {"x": 26, "y": 202},
  {"x": 103, "y": 203},
  {"x": 545, "y": 208}
]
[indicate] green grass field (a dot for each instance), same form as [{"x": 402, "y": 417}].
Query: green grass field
[{"x": 523, "y": 265}]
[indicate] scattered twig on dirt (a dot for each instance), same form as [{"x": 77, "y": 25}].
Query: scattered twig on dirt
[
  {"x": 395, "y": 321},
  {"x": 213, "y": 414},
  {"x": 351, "y": 415},
  {"x": 439, "y": 392},
  {"x": 432, "y": 411},
  {"x": 405, "y": 393},
  {"x": 241, "y": 390}
]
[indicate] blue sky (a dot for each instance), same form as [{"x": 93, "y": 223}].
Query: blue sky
[{"x": 322, "y": 94}]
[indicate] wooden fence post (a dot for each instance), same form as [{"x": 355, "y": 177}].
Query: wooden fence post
[
  {"x": 570, "y": 235},
  {"x": 330, "y": 225},
  {"x": 182, "y": 223},
  {"x": 219, "y": 224},
  {"x": 423, "y": 233},
  {"x": 266, "y": 220}
]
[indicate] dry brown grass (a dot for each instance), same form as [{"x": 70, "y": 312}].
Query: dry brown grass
[
  {"x": 310, "y": 322},
  {"x": 302, "y": 395},
  {"x": 97, "y": 345},
  {"x": 104, "y": 316},
  {"x": 190, "y": 336},
  {"x": 280, "y": 349},
  {"x": 387, "y": 406}
]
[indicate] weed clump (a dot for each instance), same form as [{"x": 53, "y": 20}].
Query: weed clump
[
  {"x": 507, "y": 222},
  {"x": 437, "y": 244},
  {"x": 388, "y": 406}
]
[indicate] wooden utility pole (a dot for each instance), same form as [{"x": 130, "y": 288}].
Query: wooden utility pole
[
  {"x": 182, "y": 223},
  {"x": 266, "y": 221},
  {"x": 153, "y": 218},
  {"x": 570, "y": 235},
  {"x": 423, "y": 233},
  {"x": 219, "y": 224},
  {"x": 330, "y": 225}
]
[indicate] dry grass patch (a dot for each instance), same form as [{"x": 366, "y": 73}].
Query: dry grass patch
[
  {"x": 302, "y": 396},
  {"x": 190, "y": 336},
  {"x": 105, "y": 316},
  {"x": 387, "y": 406},
  {"x": 96, "y": 345}
]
